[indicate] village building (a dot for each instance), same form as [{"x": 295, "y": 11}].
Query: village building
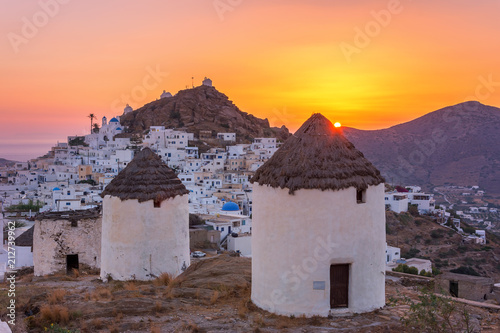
[
  {"x": 145, "y": 223},
  {"x": 318, "y": 230},
  {"x": 63, "y": 241},
  {"x": 474, "y": 288}
]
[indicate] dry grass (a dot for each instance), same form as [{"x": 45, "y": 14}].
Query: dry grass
[
  {"x": 158, "y": 307},
  {"x": 96, "y": 323},
  {"x": 214, "y": 298},
  {"x": 163, "y": 280},
  {"x": 113, "y": 329},
  {"x": 119, "y": 316},
  {"x": 130, "y": 286},
  {"x": 190, "y": 327},
  {"x": 168, "y": 294},
  {"x": 101, "y": 293},
  {"x": 258, "y": 320},
  {"x": 243, "y": 308},
  {"x": 56, "y": 296},
  {"x": 55, "y": 314},
  {"x": 76, "y": 273},
  {"x": 155, "y": 329},
  {"x": 285, "y": 322}
]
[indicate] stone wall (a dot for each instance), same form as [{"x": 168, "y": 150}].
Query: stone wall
[
  {"x": 199, "y": 237},
  {"x": 54, "y": 239}
]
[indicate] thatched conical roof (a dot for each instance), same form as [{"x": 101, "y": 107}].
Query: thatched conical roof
[
  {"x": 318, "y": 156},
  {"x": 145, "y": 178}
]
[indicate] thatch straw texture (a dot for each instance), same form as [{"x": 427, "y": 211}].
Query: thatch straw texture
[
  {"x": 318, "y": 156},
  {"x": 145, "y": 178}
]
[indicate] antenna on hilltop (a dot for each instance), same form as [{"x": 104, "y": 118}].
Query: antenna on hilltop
[{"x": 192, "y": 81}]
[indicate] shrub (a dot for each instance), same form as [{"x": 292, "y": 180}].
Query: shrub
[
  {"x": 403, "y": 268},
  {"x": 467, "y": 270},
  {"x": 436, "y": 234},
  {"x": 413, "y": 270},
  {"x": 411, "y": 253},
  {"x": 56, "y": 296},
  {"x": 164, "y": 279},
  {"x": 55, "y": 314},
  {"x": 432, "y": 313}
]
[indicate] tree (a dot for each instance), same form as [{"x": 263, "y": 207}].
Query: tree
[
  {"x": 92, "y": 117},
  {"x": 95, "y": 129}
]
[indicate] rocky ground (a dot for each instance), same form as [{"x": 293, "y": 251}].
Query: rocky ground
[{"x": 213, "y": 295}]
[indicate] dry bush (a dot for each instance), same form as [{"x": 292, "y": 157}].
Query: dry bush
[
  {"x": 243, "y": 308},
  {"x": 76, "y": 273},
  {"x": 190, "y": 327},
  {"x": 119, "y": 316},
  {"x": 56, "y": 296},
  {"x": 258, "y": 320},
  {"x": 55, "y": 314},
  {"x": 158, "y": 307},
  {"x": 155, "y": 329},
  {"x": 101, "y": 293},
  {"x": 285, "y": 322},
  {"x": 315, "y": 321},
  {"x": 83, "y": 326},
  {"x": 96, "y": 323},
  {"x": 130, "y": 286},
  {"x": 86, "y": 297},
  {"x": 113, "y": 329},
  {"x": 214, "y": 298},
  {"x": 168, "y": 294},
  {"x": 163, "y": 280}
]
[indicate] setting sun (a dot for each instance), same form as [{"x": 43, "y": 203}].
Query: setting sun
[{"x": 337, "y": 124}]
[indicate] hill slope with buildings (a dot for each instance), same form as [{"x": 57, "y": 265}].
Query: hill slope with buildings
[
  {"x": 202, "y": 108},
  {"x": 5, "y": 162},
  {"x": 421, "y": 237},
  {"x": 456, "y": 145}
]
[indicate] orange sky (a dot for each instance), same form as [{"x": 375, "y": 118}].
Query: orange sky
[{"x": 282, "y": 59}]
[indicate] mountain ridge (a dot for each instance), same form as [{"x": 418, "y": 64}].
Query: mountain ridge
[{"x": 456, "y": 145}]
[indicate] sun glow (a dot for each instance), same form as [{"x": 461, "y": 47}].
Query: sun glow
[{"x": 337, "y": 124}]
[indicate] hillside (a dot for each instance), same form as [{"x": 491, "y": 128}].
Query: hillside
[
  {"x": 212, "y": 295},
  {"x": 5, "y": 162},
  {"x": 201, "y": 108},
  {"x": 456, "y": 145},
  {"x": 423, "y": 238}
]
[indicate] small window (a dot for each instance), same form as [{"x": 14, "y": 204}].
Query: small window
[
  {"x": 68, "y": 203},
  {"x": 74, "y": 224},
  {"x": 157, "y": 203},
  {"x": 360, "y": 196}
]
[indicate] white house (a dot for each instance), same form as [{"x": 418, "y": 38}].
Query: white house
[
  {"x": 241, "y": 243},
  {"x": 392, "y": 253},
  {"x": 229, "y": 137},
  {"x": 396, "y": 201}
]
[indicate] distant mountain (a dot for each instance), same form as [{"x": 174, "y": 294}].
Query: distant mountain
[
  {"x": 4, "y": 162},
  {"x": 200, "y": 108},
  {"x": 457, "y": 145}
]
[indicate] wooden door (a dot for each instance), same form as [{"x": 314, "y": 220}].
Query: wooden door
[{"x": 339, "y": 286}]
